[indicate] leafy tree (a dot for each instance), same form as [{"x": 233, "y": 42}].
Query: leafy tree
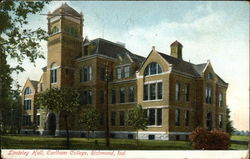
[
  {"x": 63, "y": 100},
  {"x": 229, "y": 126},
  {"x": 137, "y": 119},
  {"x": 89, "y": 120},
  {"x": 17, "y": 42}
]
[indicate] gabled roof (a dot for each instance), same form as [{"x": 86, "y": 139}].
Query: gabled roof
[
  {"x": 199, "y": 68},
  {"x": 180, "y": 66},
  {"x": 34, "y": 83},
  {"x": 114, "y": 50},
  {"x": 221, "y": 81},
  {"x": 176, "y": 43}
]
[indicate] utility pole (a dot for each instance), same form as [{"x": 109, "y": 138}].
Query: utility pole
[{"x": 107, "y": 107}]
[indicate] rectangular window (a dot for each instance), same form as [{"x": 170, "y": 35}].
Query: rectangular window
[
  {"x": 122, "y": 95},
  {"x": 85, "y": 97},
  {"x": 159, "y": 90},
  {"x": 131, "y": 94},
  {"x": 102, "y": 73},
  {"x": 101, "y": 121},
  {"x": 208, "y": 95},
  {"x": 86, "y": 50},
  {"x": 26, "y": 120},
  {"x": 145, "y": 92},
  {"x": 89, "y": 97},
  {"x": 27, "y": 104},
  {"x": 81, "y": 98},
  {"x": 113, "y": 116},
  {"x": 220, "y": 99},
  {"x": 89, "y": 73},
  {"x": 220, "y": 120},
  {"x": 186, "y": 118},
  {"x": 187, "y": 92},
  {"x": 53, "y": 76},
  {"x": 81, "y": 74},
  {"x": 41, "y": 87},
  {"x": 152, "y": 91},
  {"x": 113, "y": 96},
  {"x": 101, "y": 97},
  {"x": 177, "y": 91},
  {"x": 177, "y": 117},
  {"x": 38, "y": 120},
  {"x": 119, "y": 73},
  {"x": 127, "y": 71},
  {"x": 151, "y": 116},
  {"x": 159, "y": 116},
  {"x": 122, "y": 118}
]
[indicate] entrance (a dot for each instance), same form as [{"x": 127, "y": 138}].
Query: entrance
[{"x": 52, "y": 124}]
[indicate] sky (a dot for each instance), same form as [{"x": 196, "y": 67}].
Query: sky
[{"x": 215, "y": 31}]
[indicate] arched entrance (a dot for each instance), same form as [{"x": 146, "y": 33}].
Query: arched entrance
[{"x": 51, "y": 124}]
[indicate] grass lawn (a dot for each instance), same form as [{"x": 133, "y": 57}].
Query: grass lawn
[
  {"x": 32, "y": 142},
  {"x": 240, "y": 138}
]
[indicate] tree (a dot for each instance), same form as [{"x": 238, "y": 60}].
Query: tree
[
  {"x": 229, "y": 126},
  {"x": 63, "y": 101},
  {"x": 137, "y": 119},
  {"x": 89, "y": 120}
]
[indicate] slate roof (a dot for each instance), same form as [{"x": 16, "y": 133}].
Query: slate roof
[
  {"x": 67, "y": 10},
  {"x": 176, "y": 43},
  {"x": 200, "y": 67},
  {"x": 112, "y": 49}
]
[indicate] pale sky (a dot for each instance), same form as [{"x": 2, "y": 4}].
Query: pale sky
[{"x": 215, "y": 31}]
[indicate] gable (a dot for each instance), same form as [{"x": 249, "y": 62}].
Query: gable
[{"x": 31, "y": 84}]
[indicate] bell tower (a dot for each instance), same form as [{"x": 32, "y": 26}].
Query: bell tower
[
  {"x": 176, "y": 49},
  {"x": 65, "y": 29}
]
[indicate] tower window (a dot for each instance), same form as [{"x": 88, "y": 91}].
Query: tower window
[
  {"x": 55, "y": 30},
  {"x": 53, "y": 73}
]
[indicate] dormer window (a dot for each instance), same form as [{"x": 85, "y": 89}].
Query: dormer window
[
  {"x": 152, "y": 69},
  {"x": 209, "y": 76},
  {"x": 27, "y": 91}
]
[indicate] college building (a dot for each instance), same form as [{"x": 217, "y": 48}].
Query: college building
[{"x": 177, "y": 95}]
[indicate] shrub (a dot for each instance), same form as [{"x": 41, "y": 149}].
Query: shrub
[{"x": 209, "y": 140}]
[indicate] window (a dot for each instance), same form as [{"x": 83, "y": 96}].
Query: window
[
  {"x": 101, "y": 121},
  {"x": 86, "y": 50},
  {"x": 42, "y": 87},
  {"x": 102, "y": 73},
  {"x": 85, "y": 94},
  {"x": 131, "y": 94},
  {"x": 81, "y": 98},
  {"x": 209, "y": 76},
  {"x": 111, "y": 76},
  {"x": 86, "y": 74},
  {"x": 127, "y": 71},
  {"x": 26, "y": 120},
  {"x": 209, "y": 121},
  {"x": 81, "y": 74},
  {"x": 186, "y": 118},
  {"x": 38, "y": 120},
  {"x": 113, "y": 116},
  {"x": 53, "y": 75},
  {"x": 27, "y": 104},
  {"x": 152, "y": 68},
  {"x": 122, "y": 95},
  {"x": 187, "y": 92},
  {"x": 27, "y": 91},
  {"x": 159, "y": 90},
  {"x": 55, "y": 29},
  {"x": 89, "y": 99},
  {"x": 151, "y": 137},
  {"x": 152, "y": 91},
  {"x": 101, "y": 97},
  {"x": 177, "y": 91},
  {"x": 113, "y": 96},
  {"x": 122, "y": 118},
  {"x": 145, "y": 92},
  {"x": 220, "y": 99},
  {"x": 220, "y": 120},
  {"x": 151, "y": 116},
  {"x": 209, "y": 95},
  {"x": 89, "y": 73},
  {"x": 177, "y": 117},
  {"x": 119, "y": 73},
  {"x": 159, "y": 116}
]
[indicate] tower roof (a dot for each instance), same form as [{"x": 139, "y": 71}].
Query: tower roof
[
  {"x": 176, "y": 43},
  {"x": 66, "y": 9}
]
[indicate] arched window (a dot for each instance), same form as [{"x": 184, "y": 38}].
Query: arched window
[
  {"x": 152, "y": 69},
  {"x": 55, "y": 29},
  {"x": 53, "y": 73},
  {"x": 27, "y": 91}
]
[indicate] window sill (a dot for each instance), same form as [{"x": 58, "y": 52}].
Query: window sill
[
  {"x": 127, "y": 103},
  {"x": 157, "y": 100},
  {"x": 154, "y": 126}
]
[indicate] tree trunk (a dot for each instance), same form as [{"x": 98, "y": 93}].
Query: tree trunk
[
  {"x": 67, "y": 130},
  {"x": 137, "y": 140}
]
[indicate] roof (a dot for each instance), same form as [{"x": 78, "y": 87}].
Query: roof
[
  {"x": 200, "y": 67},
  {"x": 221, "y": 81},
  {"x": 112, "y": 50},
  {"x": 181, "y": 66},
  {"x": 66, "y": 9},
  {"x": 176, "y": 43}
]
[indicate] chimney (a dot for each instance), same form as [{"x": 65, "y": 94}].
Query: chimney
[{"x": 176, "y": 50}]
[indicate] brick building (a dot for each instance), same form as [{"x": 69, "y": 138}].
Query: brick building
[{"x": 177, "y": 95}]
